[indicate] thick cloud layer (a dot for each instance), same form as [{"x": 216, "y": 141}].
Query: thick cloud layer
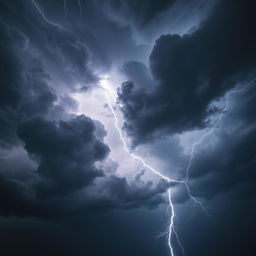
[{"x": 191, "y": 71}]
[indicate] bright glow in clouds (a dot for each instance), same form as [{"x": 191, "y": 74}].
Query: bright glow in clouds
[{"x": 93, "y": 104}]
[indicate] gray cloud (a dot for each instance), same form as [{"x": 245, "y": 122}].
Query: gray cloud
[
  {"x": 191, "y": 71},
  {"x": 67, "y": 152}
]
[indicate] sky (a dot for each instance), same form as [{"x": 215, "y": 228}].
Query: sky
[{"x": 127, "y": 127}]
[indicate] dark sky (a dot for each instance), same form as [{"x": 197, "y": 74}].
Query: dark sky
[{"x": 176, "y": 78}]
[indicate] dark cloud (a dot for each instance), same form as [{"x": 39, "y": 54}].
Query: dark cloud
[
  {"x": 25, "y": 89},
  {"x": 118, "y": 192},
  {"x": 191, "y": 71},
  {"x": 67, "y": 153}
]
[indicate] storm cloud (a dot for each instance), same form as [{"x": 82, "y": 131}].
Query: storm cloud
[
  {"x": 191, "y": 71},
  {"x": 93, "y": 93}
]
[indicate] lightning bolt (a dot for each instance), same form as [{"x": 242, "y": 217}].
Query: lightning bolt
[
  {"x": 171, "y": 229},
  {"x": 45, "y": 18},
  {"x": 207, "y": 134},
  {"x": 172, "y": 226}
]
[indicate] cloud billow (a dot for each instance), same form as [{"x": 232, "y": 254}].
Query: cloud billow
[
  {"x": 67, "y": 152},
  {"x": 190, "y": 72}
]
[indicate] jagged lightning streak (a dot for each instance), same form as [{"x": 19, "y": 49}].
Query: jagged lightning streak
[
  {"x": 171, "y": 229},
  {"x": 45, "y": 18},
  {"x": 106, "y": 91},
  {"x": 207, "y": 134}
]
